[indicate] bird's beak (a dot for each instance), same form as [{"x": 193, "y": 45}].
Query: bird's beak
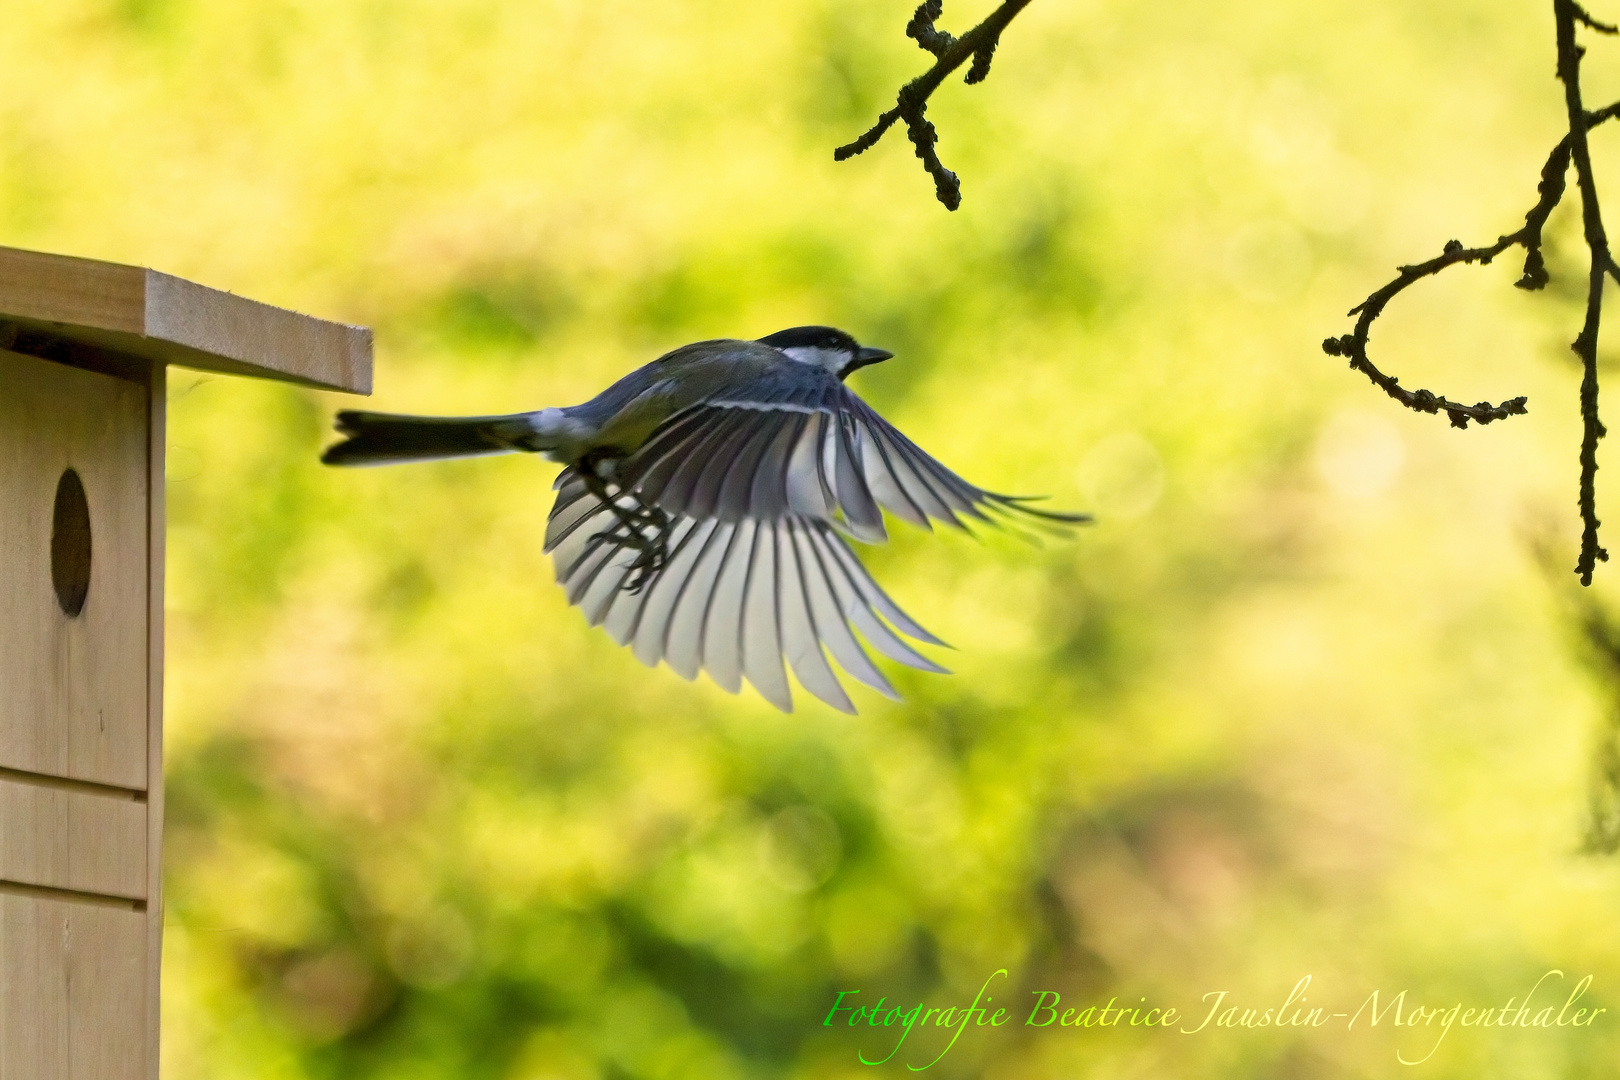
[{"x": 869, "y": 355}]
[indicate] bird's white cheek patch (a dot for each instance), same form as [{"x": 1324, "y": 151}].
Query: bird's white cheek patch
[{"x": 832, "y": 360}]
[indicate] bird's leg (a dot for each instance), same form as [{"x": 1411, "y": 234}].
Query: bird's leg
[{"x": 631, "y": 530}]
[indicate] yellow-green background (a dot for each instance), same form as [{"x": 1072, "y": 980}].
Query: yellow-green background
[{"x": 1306, "y": 701}]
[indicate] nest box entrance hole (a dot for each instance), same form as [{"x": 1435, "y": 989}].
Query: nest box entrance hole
[{"x": 70, "y": 544}]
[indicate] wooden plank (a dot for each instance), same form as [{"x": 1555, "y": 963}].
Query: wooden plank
[
  {"x": 156, "y": 448},
  {"x": 219, "y": 331},
  {"x": 62, "y": 289},
  {"x": 135, "y": 312},
  {"x": 72, "y": 990},
  {"x": 60, "y": 838},
  {"x": 74, "y": 698}
]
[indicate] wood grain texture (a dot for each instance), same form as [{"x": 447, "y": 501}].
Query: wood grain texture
[
  {"x": 57, "y": 288},
  {"x": 74, "y": 696},
  {"x": 75, "y": 840},
  {"x": 219, "y": 331},
  {"x": 134, "y": 312},
  {"x": 73, "y": 984},
  {"x": 157, "y": 430}
]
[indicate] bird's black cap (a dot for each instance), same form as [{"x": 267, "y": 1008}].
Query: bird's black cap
[{"x": 831, "y": 339}]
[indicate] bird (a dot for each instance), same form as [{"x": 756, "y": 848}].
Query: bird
[{"x": 705, "y": 502}]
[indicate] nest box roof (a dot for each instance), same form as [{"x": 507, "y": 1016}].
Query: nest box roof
[{"x": 110, "y": 316}]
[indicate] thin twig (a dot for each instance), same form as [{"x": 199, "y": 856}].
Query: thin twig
[
  {"x": 1571, "y": 150},
  {"x": 1580, "y": 15},
  {"x": 912, "y": 101},
  {"x": 1568, "y": 13}
]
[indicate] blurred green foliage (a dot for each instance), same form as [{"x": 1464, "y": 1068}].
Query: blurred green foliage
[{"x": 1302, "y": 703}]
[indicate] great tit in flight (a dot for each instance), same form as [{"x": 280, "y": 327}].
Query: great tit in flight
[{"x": 701, "y": 514}]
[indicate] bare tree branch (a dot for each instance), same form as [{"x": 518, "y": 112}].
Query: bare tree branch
[
  {"x": 912, "y": 101},
  {"x": 1568, "y": 13},
  {"x": 1571, "y": 150}
]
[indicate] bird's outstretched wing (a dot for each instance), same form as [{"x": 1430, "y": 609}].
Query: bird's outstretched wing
[
  {"x": 758, "y": 483},
  {"x": 733, "y": 598},
  {"x": 796, "y": 442}
]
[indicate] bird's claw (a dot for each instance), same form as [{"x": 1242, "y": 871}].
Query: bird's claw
[
  {"x": 652, "y": 551},
  {"x": 643, "y": 528}
]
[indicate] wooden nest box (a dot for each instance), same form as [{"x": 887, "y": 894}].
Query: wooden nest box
[{"x": 84, "y": 347}]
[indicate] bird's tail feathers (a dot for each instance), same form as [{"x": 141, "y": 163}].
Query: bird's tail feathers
[{"x": 385, "y": 438}]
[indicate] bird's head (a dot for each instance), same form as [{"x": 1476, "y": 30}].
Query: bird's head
[{"x": 826, "y": 348}]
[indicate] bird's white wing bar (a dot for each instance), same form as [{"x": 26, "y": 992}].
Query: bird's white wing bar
[{"x": 735, "y": 598}]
